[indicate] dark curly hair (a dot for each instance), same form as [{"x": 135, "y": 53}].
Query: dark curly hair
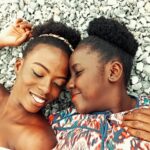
[
  {"x": 113, "y": 40},
  {"x": 57, "y": 28}
]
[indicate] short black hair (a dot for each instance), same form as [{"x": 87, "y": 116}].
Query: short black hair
[
  {"x": 112, "y": 40},
  {"x": 57, "y": 28}
]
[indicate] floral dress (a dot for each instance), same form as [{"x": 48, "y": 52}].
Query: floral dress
[{"x": 95, "y": 131}]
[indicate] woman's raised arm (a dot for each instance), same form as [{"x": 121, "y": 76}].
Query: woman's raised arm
[{"x": 16, "y": 33}]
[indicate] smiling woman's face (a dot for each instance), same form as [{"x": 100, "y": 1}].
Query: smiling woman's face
[
  {"x": 88, "y": 83},
  {"x": 40, "y": 76}
]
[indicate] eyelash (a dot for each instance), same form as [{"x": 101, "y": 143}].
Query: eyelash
[
  {"x": 40, "y": 76},
  {"x": 78, "y": 73},
  {"x": 59, "y": 86},
  {"x": 37, "y": 75}
]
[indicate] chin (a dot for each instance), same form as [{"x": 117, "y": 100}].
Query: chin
[
  {"x": 81, "y": 110},
  {"x": 31, "y": 109}
]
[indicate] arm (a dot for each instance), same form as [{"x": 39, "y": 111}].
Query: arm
[
  {"x": 15, "y": 34},
  {"x": 138, "y": 123}
]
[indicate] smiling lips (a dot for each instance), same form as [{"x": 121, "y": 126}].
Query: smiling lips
[
  {"x": 38, "y": 99},
  {"x": 74, "y": 95}
]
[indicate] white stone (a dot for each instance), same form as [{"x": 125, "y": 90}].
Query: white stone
[
  {"x": 143, "y": 21},
  {"x": 144, "y": 55},
  {"x": 12, "y": 61},
  {"x": 81, "y": 21},
  {"x": 140, "y": 3},
  {"x": 3, "y": 71},
  {"x": 148, "y": 60},
  {"x": 20, "y": 55},
  {"x": 147, "y": 39},
  {"x": 20, "y": 14},
  {"x": 137, "y": 86},
  {"x": 27, "y": 1},
  {"x": 141, "y": 10},
  {"x": 134, "y": 79},
  {"x": 56, "y": 18},
  {"x": 1, "y": 62},
  {"x": 146, "y": 69},
  {"x": 132, "y": 24},
  {"x": 41, "y": 2},
  {"x": 147, "y": 48},
  {"x": 139, "y": 66},
  {"x": 146, "y": 85},
  {"x": 2, "y": 81},
  {"x": 147, "y": 6},
  {"x": 147, "y": 91},
  {"x": 8, "y": 84},
  {"x": 30, "y": 10},
  {"x": 139, "y": 52},
  {"x": 33, "y": 5},
  {"x": 21, "y": 4},
  {"x": 111, "y": 2},
  {"x": 120, "y": 13},
  {"x": 131, "y": 1},
  {"x": 56, "y": 11}
]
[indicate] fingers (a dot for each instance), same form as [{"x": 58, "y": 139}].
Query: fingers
[
  {"x": 137, "y": 125},
  {"x": 23, "y": 38},
  {"x": 23, "y": 24},
  {"x": 140, "y": 134},
  {"x": 139, "y": 115},
  {"x": 18, "y": 20}
]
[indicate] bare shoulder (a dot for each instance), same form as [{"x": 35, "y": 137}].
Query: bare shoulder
[
  {"x": 3, "y": 92},
  {"x": 37, "y": 138}
]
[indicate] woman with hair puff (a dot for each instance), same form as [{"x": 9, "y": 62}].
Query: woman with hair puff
[
  {"x": 100, "y": 71},
  {"x": 40, "y": 76}
]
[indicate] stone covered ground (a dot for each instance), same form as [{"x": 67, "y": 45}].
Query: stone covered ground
[{"x": 77, "y": 13}]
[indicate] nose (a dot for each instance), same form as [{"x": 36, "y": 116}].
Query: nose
[
  {"x": 45, "y": 86},
  {"x": 70, "y": 84}
]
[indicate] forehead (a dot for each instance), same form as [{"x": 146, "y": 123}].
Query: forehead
[
  {"x": 50, "y": 56},
  {"x": 47, "y": 54},
  {"x": 84, "y": 56},
  {"x": 44, "y": 50}
]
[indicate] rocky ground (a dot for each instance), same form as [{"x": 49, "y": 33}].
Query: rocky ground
[{"x": 77, "y": 13}]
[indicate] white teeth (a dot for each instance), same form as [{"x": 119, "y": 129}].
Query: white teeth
[{"x": 37, "y": 99}]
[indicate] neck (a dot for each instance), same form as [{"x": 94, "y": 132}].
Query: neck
[
  {"x": 12, "y": 110},
  {"x": 121, "y": 100}
]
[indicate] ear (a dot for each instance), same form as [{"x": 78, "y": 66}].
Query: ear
[
  {"x": 18, "y": 65},
  {"x": 115, "y": 72}
]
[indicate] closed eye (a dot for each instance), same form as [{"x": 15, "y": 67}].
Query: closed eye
[
  {"x": 37, "y": 74},
  {"x": 78, "y": 73},
  {"x": 60, "y": 86}
]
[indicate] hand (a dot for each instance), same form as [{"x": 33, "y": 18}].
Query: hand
[
  {"x": 138, "y": 123},
  {"x": 16, "y": 33}
]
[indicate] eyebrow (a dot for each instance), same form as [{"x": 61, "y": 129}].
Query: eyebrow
[
  {"x": 37, "y": 63},
  {"x": 74, "y": 65}
]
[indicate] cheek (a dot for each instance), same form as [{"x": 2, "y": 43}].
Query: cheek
[{"x": 26, "y": 78}]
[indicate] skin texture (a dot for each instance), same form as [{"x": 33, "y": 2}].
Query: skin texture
[
  {"x": 136, "y": 126},
  {"x": 87, "y": 68},
  {"x": 39, "y": 76},
  {"x": 16, "y": 33}
]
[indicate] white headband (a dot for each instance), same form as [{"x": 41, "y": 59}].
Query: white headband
[{"x": 60, "y": 38}]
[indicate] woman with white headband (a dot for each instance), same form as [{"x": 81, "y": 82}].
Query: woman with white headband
[{"x": 40, "y": 76}]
